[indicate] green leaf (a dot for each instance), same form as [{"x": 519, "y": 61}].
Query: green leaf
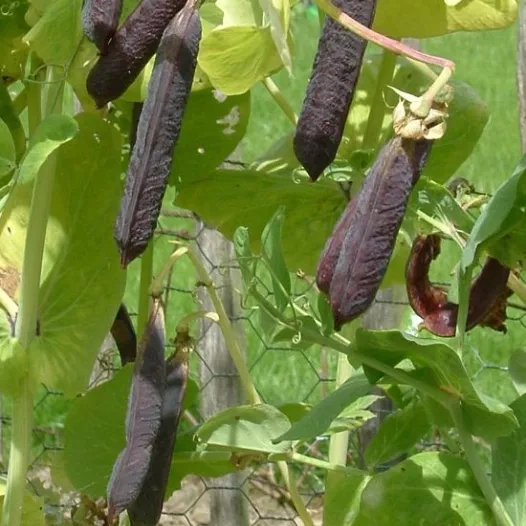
[
  {"x": 317, "y": 421},
  {"x": 229, "y": 198},
  {"x": 432, "y": 18},
  {"x": 207, "y": 464},
  {"x": 13, "y": 54},
  {"x": 399, "y": 432},
  {"x": 279, "y": 158},
  {"x": 325, "y": 313},
  {"x": 91, "y": 445},
  {"x": 9, "y": 116},
  {"x": 295, "y": 411},
  {"x": 7, "y": 150},
  {"x": 468, "y": 116},
  {"x": 271, "y": 248},
  {"x": 440, "y": 366},
  {"x": 435, "y": 489},
  {"x": 517, "y": 369},
  {"x": 342, "y": 497},
  {"x": 503, "y": 215},
  {"x": 235, "y": 58},
  {"x": 246, "y": 428},
  {"x": 278, "y": 14},
  {"x": 82, "y": 282},
  {"x": 51, "y": 133},
  {"x": 212, "y": 128},
  {"x": 354, "y": 416},
  {"x": 509, "y": 466}
]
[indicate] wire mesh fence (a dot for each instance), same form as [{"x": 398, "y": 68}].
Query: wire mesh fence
[{"x": 282, "y": 374}]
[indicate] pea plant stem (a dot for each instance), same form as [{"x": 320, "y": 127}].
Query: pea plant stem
[
  {"x": 387, "y": 43},
  {"x": 21, "y": 433},
  {"x": 26, "y": 324},
  {"x": 280, "y": 99},
  {"x": 145, "y": 282},
  {"x": 497, "y": 507}
]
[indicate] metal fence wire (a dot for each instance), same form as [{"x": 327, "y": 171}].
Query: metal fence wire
[{"x": 306, "y": 374}]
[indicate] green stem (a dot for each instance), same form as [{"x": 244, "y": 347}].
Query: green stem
[
  {"x": 144, "y": 286},
  {"x": 26, "y": 324},
  {"x": 20, "y": 102},
  {"x": 387, "y": 43},
  {"x": 229, "y": 334},
  {"x": 339, "y": 442},
  {"x": 21, "y": 428},
  {"x": 331, "y": 467},
  {"x": 280, "y": 99},
  {"x": 497, "y": 507},
  {"x": 290, "y": 481},
  {"x": 377, "y": 112}
]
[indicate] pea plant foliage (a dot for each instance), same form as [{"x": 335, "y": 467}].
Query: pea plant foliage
[{"x": 106, "y": 105}]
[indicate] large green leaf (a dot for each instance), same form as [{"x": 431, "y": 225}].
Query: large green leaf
[
  {"x": 399, "y": 432},
  {"x": 230, "y": 198},
  {"x": 440, "y": 366},
  {"x": 92, "y": 444},
  {"x": 316, "y": 422},
  {"x": 413, "y": 18},
  {"x": 82, "y": 282},
  {"x": 235, "y": 58},
  {"x": 212, "y": 128},
  {"x": 342, "y": 497},
  {"x": 247, "y": 428},
  {"x": 509, "y": 466},
  {"x": 435, "y": 489}
]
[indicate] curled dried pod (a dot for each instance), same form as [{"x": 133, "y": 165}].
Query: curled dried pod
[
  {"x": 331, "y": 88},
  {"x": 147, "y": 508},
  {"x": 487, "y": 298},
  {"x": 143, "y": 417},
  {"x": 380, "y": 206},
  {"x": 157, "y": 134},
  {"x": 130, "y": 49},
  {"x": 100, "y": 19},
  {"x": 124, "y": 335}
]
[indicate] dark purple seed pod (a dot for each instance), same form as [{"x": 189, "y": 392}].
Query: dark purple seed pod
[
  {"x": 331, "y": 88},
  {"x": 331, "y": 252},
  {"x": 143, "y": 417},
  {"x": 100, "y": 19},
  {"x": 157, "y": 134},
  {"x": 380, "y": 208},
  {"x": 147, "y": 508},
  {"x": 130, "y": 49},
  {"x": 124, "y": 335}
]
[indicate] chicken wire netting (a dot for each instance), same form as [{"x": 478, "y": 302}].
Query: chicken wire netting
[{"x": 282, "y": 374}]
